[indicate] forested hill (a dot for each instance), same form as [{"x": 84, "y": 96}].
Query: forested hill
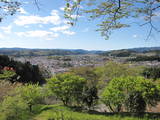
[
  {"x": 44, "y": 52},
  {"x": 17, "y": 52},
  {"x": 133, "y": 52}
]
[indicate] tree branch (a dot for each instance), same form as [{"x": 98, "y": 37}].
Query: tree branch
[
  {"x": 36, "y": 3},
  {"x": 156, "y": 8}
]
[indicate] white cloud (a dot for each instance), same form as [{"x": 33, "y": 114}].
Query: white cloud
[
  {"x": 38, "y": 34},
  {"x": 67, "y": 32},
  {"x": 62, "y": 8},
  {"x": 26, "y": 2},
  {"x": 76, "y": 16},
  {"x": 86, "y": 30},
  {"x": 26, "y": 26},
  {"x": 135, "y": 36},
  {"x": 54, "y": 19},
  {"x": 60, "y": 28},
  {"x": 41, "y": 26},
  {"x": 6, "y": 29},
  {"x": 63, "y": 29},
  {"x": 157, "y": 16},
  {"x": 22, "y": 11},
  {"x": 1, "y": 36}
]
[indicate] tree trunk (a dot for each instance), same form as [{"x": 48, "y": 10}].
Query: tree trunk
[
  {"x": 111, "y": 108},
  {"x": 30, "y": 108}
]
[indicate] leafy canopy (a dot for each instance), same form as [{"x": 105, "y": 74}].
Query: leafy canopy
[
  {"x": 120, "y": 90},
  {"x": 67, "y": 87},
  {"x": 8, "y": 7},
  {"x": 32, "y": 94},
  {"x": 90, "y": 92},
  {"x": 113, "y": 70},
  {"x": 113, "y": 14}
]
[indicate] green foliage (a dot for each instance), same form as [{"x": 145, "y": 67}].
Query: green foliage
[
  {"x": 119, "y": 53},
  {"x": 13, "y": 108},
  {"x": 135, "y": 102},
  {"x": 134, "y": 93},
  {"x": 7, "y": 75},
  {"x": 31, "y": 93},
  {"x": 152, "y": 72},
  {"x": 57, "y": 112},
  {"x": 19, "y": 102},
  {"x": 113, "y": 70},
  {"x": 67, "y": 87},
  {"x": 145, "y": 58},
  {"x": 90, "y": 92}
]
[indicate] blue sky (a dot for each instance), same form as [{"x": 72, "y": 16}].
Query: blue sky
[{"x": 46, "y": 28}]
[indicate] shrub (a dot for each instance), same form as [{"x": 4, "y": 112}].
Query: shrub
[
  {"x": 152, "y": 72},
  {"x": 13, "y": 108}
]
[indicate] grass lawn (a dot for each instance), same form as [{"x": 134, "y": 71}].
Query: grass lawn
[{"x": 58, "y": 112}]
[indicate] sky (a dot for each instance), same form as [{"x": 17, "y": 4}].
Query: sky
[{"x": 47, "y": 28}]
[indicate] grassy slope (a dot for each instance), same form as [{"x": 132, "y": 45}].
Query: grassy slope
[{"x": 57, "y": 112}]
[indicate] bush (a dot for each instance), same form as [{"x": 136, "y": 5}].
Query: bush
[
  {"x": 18, "y": 104},
  {"x": 13, "y": 108},
  {"x": 152, "y": 73}
]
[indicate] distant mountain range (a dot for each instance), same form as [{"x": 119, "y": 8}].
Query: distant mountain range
[
  {"x": 144, "y": 49},
  {"x": 49, "y": 52},
  {"x": 45, "y": 52}
]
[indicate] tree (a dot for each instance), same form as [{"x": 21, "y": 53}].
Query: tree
[
  {"x": 17, "y": 105},
  {"x": 113, "y": 13},
  {"x": 31, "y": 93},
  {"x": 90, "y": 92},
  {"x": 25, "y": 72},
  {"x": 28, "y": 73},
  {"x": 67, "y": 87},
  {"x": 152, "y": 72},
  {"x": 133, "y": 93}
]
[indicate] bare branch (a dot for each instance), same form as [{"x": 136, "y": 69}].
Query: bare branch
[
  {"x": 36, "y": 3},
  {"x": 155, "y": 8}
]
